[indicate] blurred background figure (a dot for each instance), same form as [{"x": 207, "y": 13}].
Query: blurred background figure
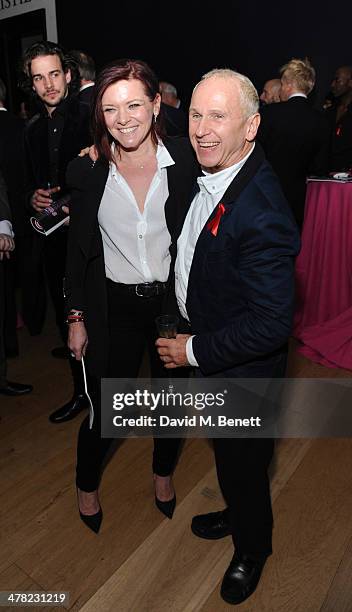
[
  {"x": 295, "y": 136},
  {"x": 271, "y": 91},
  {"x": 7, "y": 245},
  {"x": 12, "y": 168},
  {"x": 169, "y": 94},
  {"x": 86, "y": 68},
  {"x": 340, "y": 119},
  {"x": 175, "y": 119},
  {"x": 52, "y": 139}
]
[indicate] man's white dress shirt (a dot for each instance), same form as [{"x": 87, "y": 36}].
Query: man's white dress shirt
[{"x": 211, "y": 189}]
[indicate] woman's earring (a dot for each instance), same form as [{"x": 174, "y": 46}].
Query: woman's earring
[{"x": 155, "y": 117}]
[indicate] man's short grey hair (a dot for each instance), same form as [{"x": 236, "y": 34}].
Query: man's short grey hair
[
  {"x": 248, "y": 94},
  {"x": 168, "y": 88}
]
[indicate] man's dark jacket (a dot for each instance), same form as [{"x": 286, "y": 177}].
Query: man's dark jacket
[
  {"x": 295, "y": 138},
  {"x": 12, "y": 166},
  {"x": 75, "y": 136},
  {"x": 240, "y": 296}
]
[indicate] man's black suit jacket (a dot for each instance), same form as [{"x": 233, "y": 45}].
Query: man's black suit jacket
[
  {"x": 240, "y": 295},
  {"x": 341, "y": 140},
  {"x": 295, "y": 138},
  {"x": 75, "y": 136},
  {"x": 87, "y": 95},
  {"x": 12, "y": 166},
  {"x": 175, "y": 120},
  {"x": 5, "y": 213}
]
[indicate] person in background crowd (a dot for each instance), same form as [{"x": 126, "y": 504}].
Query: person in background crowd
[
  {"x": 12, "y": 167},
  {"x": 295, "y": 136},
  {"x": 7, "y": 245},
  {"x": 174, "y": 116},
  {"x": 86, "y": 67},
  {"x": 340, "y": 119},
  {"x": 271, "y": 91},
  {"x": 53, "y": 138}
]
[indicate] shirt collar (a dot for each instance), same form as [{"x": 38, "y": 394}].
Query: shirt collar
[
  {"x": 163, "y": 156},
  {"x": 218, "y": 181},
  {"x": 86, "y": 85},
  {"x": 163, "y": 159},
  {"x": 297, "y": 95}
]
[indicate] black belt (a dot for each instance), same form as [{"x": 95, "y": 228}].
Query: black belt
[{"x": 145, "y": 290}]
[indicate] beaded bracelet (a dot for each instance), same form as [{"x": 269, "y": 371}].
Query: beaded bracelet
[{"x": 75, "y": 316}]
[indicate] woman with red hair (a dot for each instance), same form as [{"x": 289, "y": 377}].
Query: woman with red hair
[{"x": 126, "y": 214}]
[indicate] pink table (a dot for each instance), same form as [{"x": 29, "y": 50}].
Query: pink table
[{"x": 323, "y": 319}]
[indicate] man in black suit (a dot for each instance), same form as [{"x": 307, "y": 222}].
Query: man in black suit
[
  {"x": 7, "y": 245},
  {"x": 235, "y": 284},
  {"x": 52, "y": 139},
  {"x": 12, "y": 168},
  {"x": 174, "y": 116},
  {"x": 340, "y": 118},
  {"x": 295, "y": 137},
  {"x": 86, "y": 67}
]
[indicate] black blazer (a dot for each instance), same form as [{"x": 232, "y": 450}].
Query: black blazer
[
  {"x": 5, "y": 213},
  {"x": 12, "y": 166},
  {"x": 75, "y": 136},
  {"x": 295, "y": 138},
  {"x": 241, "y": 285},
  {"x": 87, "y": 95},
  {"x": 85, "y": 286},
  {"x": 341, "y": 139},
  {"x": 175, "y": 120}
]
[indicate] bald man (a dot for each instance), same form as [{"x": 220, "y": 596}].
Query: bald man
[{"x": 271, "y": 91}]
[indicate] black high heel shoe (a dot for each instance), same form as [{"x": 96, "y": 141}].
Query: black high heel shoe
[
  {"x": 166, "y": 507},
  {"x": 93, "y": 521}
]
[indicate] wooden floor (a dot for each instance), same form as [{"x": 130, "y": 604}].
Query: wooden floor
[{"x": 140, "y": 561}]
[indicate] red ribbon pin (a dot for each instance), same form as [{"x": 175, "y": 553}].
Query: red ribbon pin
[{"x": 213, "y": 225}]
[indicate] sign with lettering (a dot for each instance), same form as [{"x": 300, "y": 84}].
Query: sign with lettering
[{"x": 12, "y": 8}]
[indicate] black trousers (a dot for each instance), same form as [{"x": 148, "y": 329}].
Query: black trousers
[
  {"x": 242, "y": 469},
  {"x": 2, "y": 340},
  {"x": 132, "y": 330}
]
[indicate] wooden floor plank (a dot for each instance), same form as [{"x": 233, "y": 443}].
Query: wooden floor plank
[
  {"x": 312, "y": 529},
  {"x": 191, "y": 581},
  {"x": 339, "y": 597},
  {"x": 21, "y": 583},
  {"x": 80, "y": 561},
  {"x": 43, "y": 539}
]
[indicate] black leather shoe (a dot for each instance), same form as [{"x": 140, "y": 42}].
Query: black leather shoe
[
  {"x": 13, "y": 388},
  {"x": 70, "y": 410},
  {"x": 211, "y": 526},
  {"x": 60, "y": 352},
  {"x": 241, "y": 578}
]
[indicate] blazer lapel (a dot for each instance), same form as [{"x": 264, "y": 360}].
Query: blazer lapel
[{"x": 88, "y": 238}]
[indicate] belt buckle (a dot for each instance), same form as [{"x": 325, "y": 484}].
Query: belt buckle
[
  {"x": 137, "y": 291},
  {"x": 147, "y": 290}
]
